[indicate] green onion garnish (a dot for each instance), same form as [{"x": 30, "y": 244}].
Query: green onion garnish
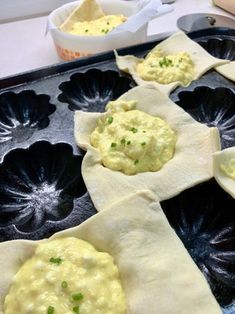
[
  {"x": 165, "y": 62},
  {"x": 50, "y": 309},
  {"x": 86, "y": 30},
  {"x": 107, "y": 23},
  {"x": 76, "y": 309},
  {"x": 123, "y": 141},
  {"x": 56, "y": 260},
  {"x": 134, "y": 130},
  {"x": 136, "y": 161},
  {"x": 143, "y": 143},
  {"x": 128, "y": 142},
  {"x": 113, "y": 145},
  {"x": 77, "y": 296},
  {"x": 110, "y": 120},
  {"x": 64, "y": 284}
]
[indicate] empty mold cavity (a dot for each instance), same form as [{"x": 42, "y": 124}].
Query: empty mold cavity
[
  {"x": 90, "y": 91},
  {"x": 204, "y": 219},
  {"x": 220, "y": 48},
  {"x": 214, "y": 107},
  {"x": 22, "y": 114},
  {"x": 41, "y": 184}
]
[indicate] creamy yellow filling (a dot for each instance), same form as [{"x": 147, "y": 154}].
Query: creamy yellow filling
[
  {"x": 131, "y": 140},
  {"x": 229, "y": 168},
  {"x": 66, "y": 276},
  {"x": 166, "y": 69},
  {"x": 101, "y": 26}
]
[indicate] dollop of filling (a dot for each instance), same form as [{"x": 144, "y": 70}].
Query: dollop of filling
[
  {"x": 229, "y": 168},
  {"x": 101, "y": 26},
  {"x": 131, "y": 140},
  {"x": 66, "y": 276},
  {"x": 166, "y": 69}
]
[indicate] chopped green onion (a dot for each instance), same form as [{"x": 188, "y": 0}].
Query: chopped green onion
[
  {"x": 136, "y": 162},
  {"x": 56, "y": 260},
  {"x": 110, "y": 120},
  {"x": 134, "y": 130},
  {"x": 64, "y": 284},
  {"x": 86, "y": 30},
  {"x": 123, "y": 141},
  {"x": 108, "y": 23},
  {"x": 76, "y": 309},
  {"x": 77, "y": 296},
  {"x": 144, "y": 131},
  {"x": 143, "y": 143},
  {"x": 102, "y": 30},
  {"x": 106, "y": 31},
  {"x": 128, "y": 142},
  {"x": 113, "y": 145},
  {"x": 50, "y": 309},
  {"x": 165, "y": 62}
]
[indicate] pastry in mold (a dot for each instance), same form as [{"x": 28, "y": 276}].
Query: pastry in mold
[
  {"x": 192, "y": 154},
  {"x": 178, "y": 60},
  {"x": 150, "y": 258}
]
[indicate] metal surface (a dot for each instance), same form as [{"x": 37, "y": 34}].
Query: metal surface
[
  {"x": 78, "y": 84},
  {"x": 197, "y": 21},
  {"x": 167, "y": 1}
]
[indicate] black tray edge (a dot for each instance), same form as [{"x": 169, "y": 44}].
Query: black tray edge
[{"x": 55, "y": 69}]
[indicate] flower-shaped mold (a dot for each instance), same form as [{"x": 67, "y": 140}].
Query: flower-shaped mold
[
  {"x": 22, "y": 114},
  {"x": 204, "y": 219},
  {"x": 92, "y": 90},
  {"x": 214, "y": 107},
  {"x": 41, "y": 191},
  {"x": 220, "y": 48}
]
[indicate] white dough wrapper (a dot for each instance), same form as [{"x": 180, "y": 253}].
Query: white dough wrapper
[
  {"x": 227, "y": 70},
  {"x": 223, "y": 158}
]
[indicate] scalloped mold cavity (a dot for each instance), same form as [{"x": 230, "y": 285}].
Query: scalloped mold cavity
[
  {"x": 220, "y": 48},
  {"x": 38, "y": 185},
  {"x": 214, "y": 107},
  {"x": 22, "y": 114},
  {"x": 203, "y": 217},
  {"x": 92, "y": 90}
]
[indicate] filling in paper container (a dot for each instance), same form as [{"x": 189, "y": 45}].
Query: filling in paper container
[{"x": 132, "y": 31}]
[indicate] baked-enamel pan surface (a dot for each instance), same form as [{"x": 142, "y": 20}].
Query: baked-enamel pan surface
[{"x": 41, "y": 187}]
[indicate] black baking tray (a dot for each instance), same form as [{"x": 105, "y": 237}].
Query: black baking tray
[{"x": 41, "y": 186}]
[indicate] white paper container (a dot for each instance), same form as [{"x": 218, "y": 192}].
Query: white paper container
[{"x": 70, "y": 46}]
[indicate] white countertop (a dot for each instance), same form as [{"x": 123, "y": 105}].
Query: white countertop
[{"x": 24, "y": 45}]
